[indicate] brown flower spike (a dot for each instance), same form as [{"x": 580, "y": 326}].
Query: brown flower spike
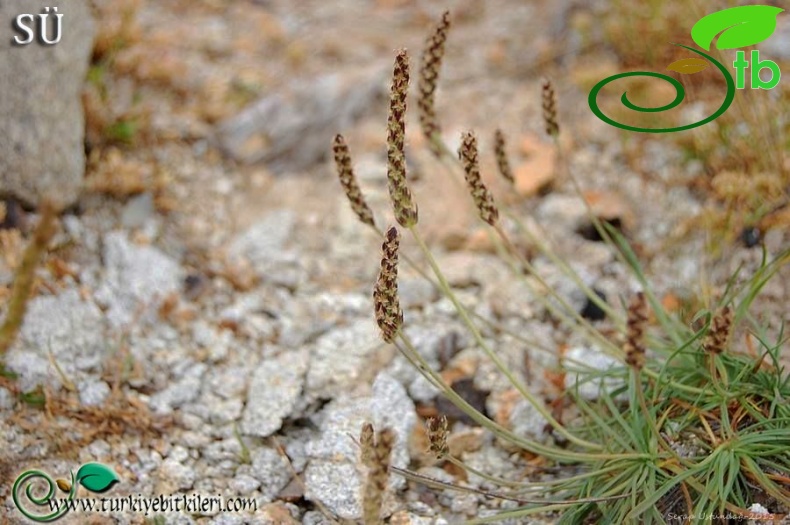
[
  {"x": 501, "y": 157},
  {"x": 719, "y": 333},
  {"x": 636, "y": 324},
  {"x": 482, "y": 197},
  {"x": 367, "y": 441},
  {"x": 349, "y": 182},
  {"x": 389, "y": 315},
  {"x": 550, "y": 108},
  {"x": 429, "y": 74},
  {"x": 378, "y": 476},
  {"x": 405, "y": 209},
  {"x": 436, "y": 428}
]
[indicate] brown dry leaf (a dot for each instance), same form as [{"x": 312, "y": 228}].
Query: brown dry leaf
[
  {"x": 538, "y": 171},
  {"x": 169, "y": 305},
  {"x": 497, "y": 53},
  {"x": 779, "y": 218},
  {"x": 467, "y": 441},
  {"x": 239, "y": 273},
  {"x": 671, "y": 302},
  {"x": 461, "y": 368},
  {"x": 11, "y": 246},
  {"x": 688, "y": 66},
  {"x": 480, "y": 241},
  {"x": 447, "y": 220},
  {"x": 506, "y": 402},
  {"x": 278, "y": 513},
  {"x": 400, "y": 518},
  {"x": 608, "y": 205},
  {"x": 451, "y": 375},
  {"x": 556, "y": 379}
]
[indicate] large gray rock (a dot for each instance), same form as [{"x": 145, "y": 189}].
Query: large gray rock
[{"x": 42, "y": 127}]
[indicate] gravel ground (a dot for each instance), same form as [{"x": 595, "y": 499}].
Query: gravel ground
[{"x": 210, "y": 328}]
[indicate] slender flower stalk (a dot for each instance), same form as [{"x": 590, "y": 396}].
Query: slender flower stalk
[
  {"x": 349, "y": 181},
  {"x": 429, "y": 74},
  {"x": 404, "y": 207},
  {"x": 482, "y": 197}
]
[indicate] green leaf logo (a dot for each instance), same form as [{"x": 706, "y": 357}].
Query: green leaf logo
[
  {"x": 96, "y": 477},
  {"x": 740, "y": 26}
]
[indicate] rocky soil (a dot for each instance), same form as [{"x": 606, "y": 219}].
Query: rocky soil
[{"x": 204, "y": 322}]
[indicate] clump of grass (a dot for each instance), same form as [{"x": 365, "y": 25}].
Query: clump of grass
[{"x": 688, "y": 423}]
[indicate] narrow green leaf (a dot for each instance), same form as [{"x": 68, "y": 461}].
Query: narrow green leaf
[
  {"x": 739, "y": 26},
  {"x": 96, "y": 477}
]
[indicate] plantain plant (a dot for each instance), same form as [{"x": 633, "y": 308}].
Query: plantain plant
[{"x": 691, "y": 424}]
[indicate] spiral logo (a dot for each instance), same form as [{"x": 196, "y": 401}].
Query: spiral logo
[
  {"x": 93, "y": 476},
  {"x": 28, "y": 481},
  {"x": 680, "y": 94},
  {"x": 735, "y": 27}
]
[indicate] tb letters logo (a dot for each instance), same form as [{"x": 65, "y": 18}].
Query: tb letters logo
[{"x": 739, "y": 27}]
